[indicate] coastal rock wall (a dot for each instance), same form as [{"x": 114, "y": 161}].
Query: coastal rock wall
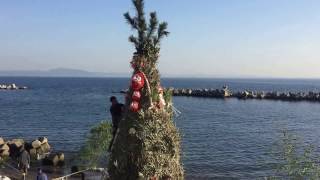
[
  {"x": 227, "y": 93},
  {"x": 11, "y": 87}
]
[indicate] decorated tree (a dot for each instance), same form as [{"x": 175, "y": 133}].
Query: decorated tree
[{"x": 147, "y": 143}]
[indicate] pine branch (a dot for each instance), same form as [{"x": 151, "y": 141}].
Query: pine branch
[
  {"x": 139, "y": 5},
  {"x": 141, "y": 25},
  {"x": 131, "y": 21},
  {"x": 149, "y": 35},
  {"x": 162, "y": 30},
  {"x": 134, "y": 40},
  {"x": 153, "y": 23}
]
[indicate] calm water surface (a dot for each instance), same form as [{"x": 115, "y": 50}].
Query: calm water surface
[{"x": 222, "y": 139}]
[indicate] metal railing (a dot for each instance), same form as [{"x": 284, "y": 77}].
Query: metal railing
[{"x": 78, "y": 172}]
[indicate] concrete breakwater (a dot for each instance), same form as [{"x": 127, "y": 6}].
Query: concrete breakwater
[
  {"x": 11, "y": 87},
  {"x": 225, "y": 92},
  {"x": 38, "y": 149}
]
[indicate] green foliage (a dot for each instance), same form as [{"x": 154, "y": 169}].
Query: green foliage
[
  {"x": 149, "y": 146},
  {"x": 147, "y": 42},
  {"x": 167, "y": 95},
  {"x": 93, "y": 153},
  {"x": 297, "y": 163}
]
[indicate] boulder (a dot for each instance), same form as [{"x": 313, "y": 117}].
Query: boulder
[
  {"x": 17, "y": 142},
  {"x": 1, "y": 141},
  {"x": 36, "y": 144},
  {"x": 43, "y": 140},
  {"x": 4, "y": 147},
  {"x": 4, "y": 177},
  {"x": 52, "y": 159},
  {"x": 61, "y": 157},
  {"x": 4, "y": 153},
  {"x": 14, "y": 150},
  {"x": 44, "y": 148},
  {"x": 33, "y": 153},
  {"x": 14, "y": 86}
]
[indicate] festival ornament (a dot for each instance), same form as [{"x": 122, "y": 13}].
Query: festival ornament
[
  {"x": 137, "y": 81},
  {"x": 136, "y": 95},
  {"x": 134, "y": 106},
  {"x": 162, "y": 102},
  {"x": 133, "y": 65}
]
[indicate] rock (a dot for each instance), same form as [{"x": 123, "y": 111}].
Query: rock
[
  {"x": 244, "y": 95},
  {"x": 61, "y": 157},
  {"x": 189, "y": 92},
  {"x": 33, "y": 153},
  {"x": 4, "y": 147},
  {"x": 18, "y": 142},
  {"x": 4, "y": 177},
  {"x": 43, "y": 140},
  {"x": 23, "y": 87},
  {"x": 4, "y": 153},
  {"x": 226, "y": 92},
  {"x": 13, "y": 86},
  {"x": 36, "y": 144},
  {"x": 53, "y": 160},
  {"x": 1, "y": 141},
  {"x": 44, "y": 148},
  {"x": 14, "y": 150}
]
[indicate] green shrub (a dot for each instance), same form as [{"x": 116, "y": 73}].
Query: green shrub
[
  {"x": 93, "y": 153},
  {"x": 298, "y": 161}
]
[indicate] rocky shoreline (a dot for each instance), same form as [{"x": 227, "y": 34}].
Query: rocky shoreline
[
  {"x": 225, "y": 92},
  {"x": 39, "y": 150},
  {"x": 11, "y": 87}
]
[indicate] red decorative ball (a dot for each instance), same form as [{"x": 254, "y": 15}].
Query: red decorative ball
[
  {"x": 137, "y": 81},
  {"x": 134, "y": 106},
  {"x": 136, "y": 95},
  {"x": 133, "y": 65}
]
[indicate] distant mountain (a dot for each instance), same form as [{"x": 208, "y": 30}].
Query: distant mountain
[{"x": 61, "y": 72}]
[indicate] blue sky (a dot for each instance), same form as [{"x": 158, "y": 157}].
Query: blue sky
[{"x": 210, "y": 38}]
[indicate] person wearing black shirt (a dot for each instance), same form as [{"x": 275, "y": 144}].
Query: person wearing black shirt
[{"x": 116, "y": 111}]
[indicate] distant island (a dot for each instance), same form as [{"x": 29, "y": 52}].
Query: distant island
[{"x": 60, "y": 72}]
